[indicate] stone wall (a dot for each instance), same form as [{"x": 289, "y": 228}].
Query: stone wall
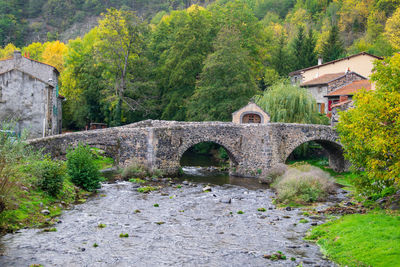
[
  {"x": 346, "y": 79},
  {"x": 252, "y": 148}
]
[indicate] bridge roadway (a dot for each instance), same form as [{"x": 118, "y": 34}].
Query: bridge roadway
[{"x": 252, "y": 148}]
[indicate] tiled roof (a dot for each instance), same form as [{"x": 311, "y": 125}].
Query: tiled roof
[
  {"x": 351, "y": 88},
  {"x": 334, "y": 61},
  {"x": 324, "y": 79}
]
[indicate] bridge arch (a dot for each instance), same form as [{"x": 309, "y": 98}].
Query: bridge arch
[
  {"x": 331, "y": 146},
  {"x": 233, "y": 157}
]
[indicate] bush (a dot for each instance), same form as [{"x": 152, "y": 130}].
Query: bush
[
  {"x": 273, "y": 173},
  {"x": 303, "y": 184},
  {"x": 50, "y": 175},
  {"x": 82, "y": 168},
  {"x": 135, "y": 170},
  {"x": 6, "y": 183}
]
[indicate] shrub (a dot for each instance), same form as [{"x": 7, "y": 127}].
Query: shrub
[
  {"x": 82, "y": 169},
  {"x": 135, "y": 170},
  {"x": 50, "y": 175},
  {"x": 13, "y": 150},
  {"x": 273, "y": 173},
  {"x": 6, "y": 183},
  {"x": 157, "y": 173},
  {"x": 303, "y": 184}
]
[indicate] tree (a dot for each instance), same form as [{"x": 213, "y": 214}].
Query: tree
[
  {"x": 298, "y": 48},
  {"x": 35, "y": 50},
  {"x": 370, "y": 131},
  {"x": 333, "y": 47},
  {"x": 54, "y": 53},
  {"x": 392, "y": 29},
  {"x": 285, "y": 102},
  {"x": 7, "y": 51},
  {"x": 304, "y": 49},
  {"x": 82, "y": 83},
  {"x": 182, "y": 58},
  {"x": 280, "y": 58},
  {"x": 121, "y": 39},
  {"x": 310, "y": 56},
  {"x": 226, "y": 82}
]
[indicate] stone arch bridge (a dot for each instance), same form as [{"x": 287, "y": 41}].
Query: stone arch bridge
[{"x": 252, "y": 148}]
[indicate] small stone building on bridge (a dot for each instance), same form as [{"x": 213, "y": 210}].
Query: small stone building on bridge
[{"x": 251, "y": 113}]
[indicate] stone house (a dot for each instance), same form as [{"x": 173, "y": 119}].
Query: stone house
[
  {"x": 251, "y": 113},
  {"x": 29, "y": 96},
  {"x": 341, "y": 98},
  {"x": 324, "y": 85},
  {"x": 361, "y": 63}
]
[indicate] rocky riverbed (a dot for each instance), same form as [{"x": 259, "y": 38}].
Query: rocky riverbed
[{"x": 178, "y": 225}]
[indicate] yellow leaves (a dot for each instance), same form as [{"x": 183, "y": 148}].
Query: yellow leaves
[
  {"x": 354, "y": 12},
  {"x": 392, "y": 29},
  {"x": 195, "y": 8},
  {"x": 54, "y": 53},
  {"x": 7, "y": 51}
]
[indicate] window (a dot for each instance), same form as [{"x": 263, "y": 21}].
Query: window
[
  {"x": 321, "y": 108},
  {"x": 251, "y": 118}
]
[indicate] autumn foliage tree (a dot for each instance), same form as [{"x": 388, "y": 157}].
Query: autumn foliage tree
[{"x": 370, "y": 131}]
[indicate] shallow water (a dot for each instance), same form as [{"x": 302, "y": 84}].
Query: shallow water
[{"x": 197, "y": 230}]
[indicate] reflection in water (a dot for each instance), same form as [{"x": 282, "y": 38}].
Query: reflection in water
[
  {"x": 199, "y": 168},
  {"x": 205, "y": 175},
  {"x": 191, "y": 158}
]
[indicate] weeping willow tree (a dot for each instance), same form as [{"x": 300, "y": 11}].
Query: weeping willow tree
[{"x": 285, "y": 102}]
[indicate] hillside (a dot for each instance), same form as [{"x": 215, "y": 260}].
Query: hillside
[{"x": 26, "y": 21}]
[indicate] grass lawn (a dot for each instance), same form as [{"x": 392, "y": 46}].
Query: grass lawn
[{"x": 371, "y": 239}]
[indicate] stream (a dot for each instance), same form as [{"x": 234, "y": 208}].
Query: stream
[{"x": 188, "y": 227}]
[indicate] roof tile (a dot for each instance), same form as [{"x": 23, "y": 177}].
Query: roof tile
[
  {"x": 323, "y": 79},
  {"x": 352, "y": 88}
]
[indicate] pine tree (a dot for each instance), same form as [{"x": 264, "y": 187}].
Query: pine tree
[
  {"x": 333, "y": 48},
  {"x": 310, "y": 56},
  {"x": 280, "y": 57},
  {"x": 299, "y": 48}
]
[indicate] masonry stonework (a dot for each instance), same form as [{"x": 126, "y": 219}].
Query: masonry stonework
[{"x": 252, "y": 148}]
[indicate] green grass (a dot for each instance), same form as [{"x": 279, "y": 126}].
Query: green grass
[
  {"x": 137, "y": 181},
  {"x": 102, "y": 161},
  {"x": 146, "y": 189},
  {"x": 371, "y": 239}
]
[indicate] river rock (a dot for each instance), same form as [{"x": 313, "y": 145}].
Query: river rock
[
  {"x": 225, "y": 200},
  {"x": 207, "y": 188},
  {"x": 45, "y": 212},
  {"x": 288, "y": 208},
  {"x": 185, "y": 182}
]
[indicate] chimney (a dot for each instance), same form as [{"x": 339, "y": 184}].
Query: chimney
[
  {"x": 320, "y": 60},
  {"x": 17, "y": 54}
]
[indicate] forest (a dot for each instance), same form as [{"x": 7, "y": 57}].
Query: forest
[{"x": 199, "y": 62}]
